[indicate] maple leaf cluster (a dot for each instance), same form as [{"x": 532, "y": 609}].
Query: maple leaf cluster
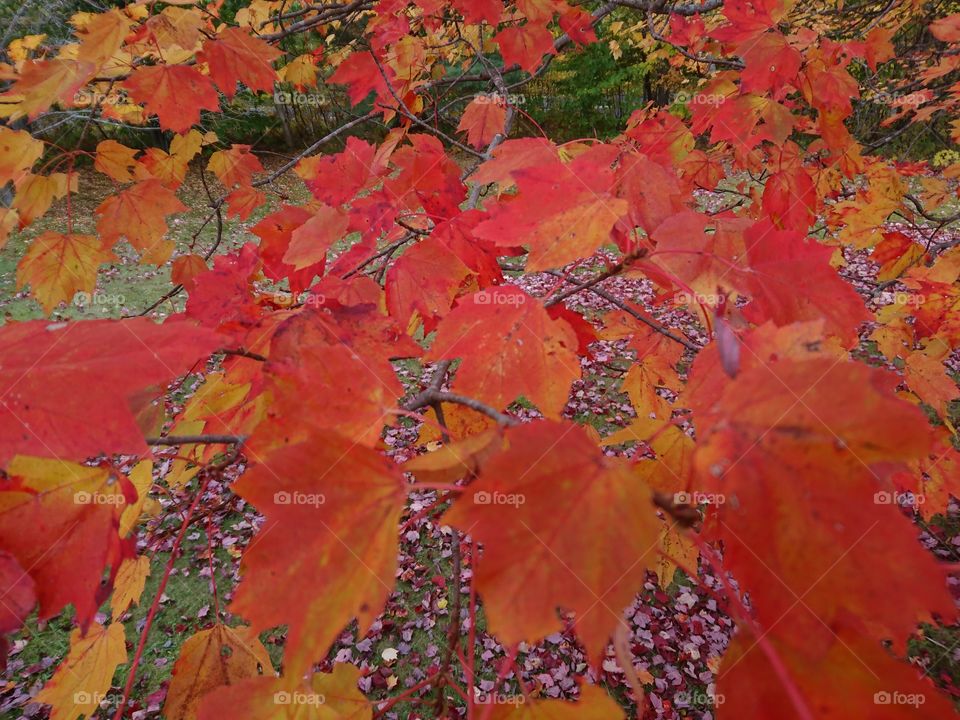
[{"x": 762, "y": 446}]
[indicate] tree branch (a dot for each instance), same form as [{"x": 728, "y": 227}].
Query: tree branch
[{"x": 650, "y": 322}]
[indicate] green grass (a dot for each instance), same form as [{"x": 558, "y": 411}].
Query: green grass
[{"x": 127, "y": 286}]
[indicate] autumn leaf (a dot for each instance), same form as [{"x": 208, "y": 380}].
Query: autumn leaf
[
  {"x": 324, "y": 697},
  {"x": 790, "y": 280},
  {"x": 593, "y": 704},
  {"x": 61, "y": 394},
  {"x": 483, "y": 119},
  {"x": 589, "y": 529},
  {"x": 947, "y": 28},
  {"x": 9, "y": 220},
  {"x": 676, "y": 549},
  {"x": 820, "y": 527},
  {"x": 44, "y": 83},
  {"x": 524, "y": 46},
  {"x": 57, "y": 267},
  {"x": 141, "y": 477},
  {"x": 50, "y": 502},
  {"x": 243, "y": 201},
  {"x": 771, "y": 63},
  {"x": 19, "y": 598},
  {"x": 360, "y": 394},
  {"x": 139, "y": 215},
  {"x": 276, "y": 238},
  {"x": 235, "y": 166},
  {"x": 102, "y": 36},
  {"x": 423, "y": 284},
  {"x": 310, "y": 242},
  {"x": 236, "y": 56},
  {"x": 362, "y": 76},
  {"x": 336, "y": 179},
  {"x": 174, "y": 93},
  {"x": 327, "y": 552},
  {"x": 455, "y": 460},
  {"x": 81, "y": 683},
  {"x": 185, "y": 268},
  {"x": 563, "y": 211},
  {"x": 115, "y": 160},
  {"x": 474, "y": 11},
  {"x": 510, "y": 348},
  {"x": 214, "y": 658},
  {"x": 928, "y": 378},
  {"x": 852, "y": 678},
  {"x": 36, "y": 193},
  {"x": 18, "y": 153},
  {"x": 128, "y": 585}
]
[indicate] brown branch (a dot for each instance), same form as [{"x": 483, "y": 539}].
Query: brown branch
[
  {"x": 240, "y": 352},
  {"x": 706, "y": 59},
  {"x": 608, "y": 273},
  {"x": 405, "y": 111},
  {"x": 322, "y": 141},
  {"x": 431, "y": 395},
  {"x": 650, "y": 322},
  {"x": 453, "y": 631},
  {"x": 197, "y": 440}
]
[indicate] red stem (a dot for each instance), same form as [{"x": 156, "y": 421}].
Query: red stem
[
  {"x": 472, "y": 635},
  {"x": 154, "y": 608},
  {"x": 501, "y": 675}
]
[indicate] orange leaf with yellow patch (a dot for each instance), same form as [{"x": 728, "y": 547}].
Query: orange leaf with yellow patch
[
  {"x": 326, "y": 696},
  {"x": 82, "y": 681},
  {"x": 18, "y": 152},
  {"x": 115, "y": 160},
  {"x": 213, "y": 658},
  {"x": 139, "y": 215},
  {"x": 36, "y": 193},
  {"x": 57, "y": 267}
]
